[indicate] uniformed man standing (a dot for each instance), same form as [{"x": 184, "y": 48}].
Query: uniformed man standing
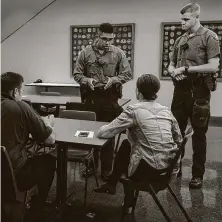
[
  {"x": 194, "y": 62},
  {"x": 101, "y": 69}
]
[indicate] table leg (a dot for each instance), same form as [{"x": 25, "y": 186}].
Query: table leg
[
  {"x": 57, "y": 110},
  {"x": 61, "y": 187},
  {"x": 64, "y": 174},
  {"x": 59, "y": 174}
]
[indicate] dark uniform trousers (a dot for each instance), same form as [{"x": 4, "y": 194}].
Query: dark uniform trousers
[
  {"x": 187, "y": 95},
  {"x": 105, "y": 104},
  {"x": 38, "y": 170}
]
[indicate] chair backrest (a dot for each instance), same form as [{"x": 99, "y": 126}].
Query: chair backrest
[
  {"x": 76, "y": 106},
  {"x": 50, "y": 93},
  {"x": 76, "y": 114},
  {"x": 8, "y": 185},
  {"x": 188, "y": 134}
]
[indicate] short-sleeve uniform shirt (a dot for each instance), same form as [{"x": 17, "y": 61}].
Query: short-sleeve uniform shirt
[
  {"x": 93, "y": 65},
  {"x": 201, "y": 46}
]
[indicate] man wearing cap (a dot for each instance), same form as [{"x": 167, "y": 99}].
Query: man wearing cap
[
  {"x": 194, "y": 62},
  {"x": 101, "y": 69}
]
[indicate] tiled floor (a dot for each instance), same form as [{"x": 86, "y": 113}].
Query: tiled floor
[{"x": 202, "y": 205}]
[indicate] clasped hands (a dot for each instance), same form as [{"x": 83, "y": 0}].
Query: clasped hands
[
  {"x": 90, "y": 82},
  {"x": 178, "y": 74}
]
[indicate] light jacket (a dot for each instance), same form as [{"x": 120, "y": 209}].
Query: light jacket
[{"x": 152, "y": 131}]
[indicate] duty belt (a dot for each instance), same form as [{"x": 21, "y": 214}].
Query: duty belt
[{"x": 202, "y": 74}]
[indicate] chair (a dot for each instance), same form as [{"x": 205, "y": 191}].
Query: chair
[
  {"x": 160, "y": 183},
  {"x": 78, "y": 106},
  {"x": 79, "y": 155},
  {"x": 50, "y": 93},
  {"x": 76, "y": 114},
  {"x": 117, "y": 142},
  {"x": 14, "y": 202},
  {"x": 47, "y": 109},
  {"x": 86, "y": 107}
]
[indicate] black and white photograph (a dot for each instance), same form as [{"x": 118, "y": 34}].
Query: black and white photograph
[{"x": 111, "y": 111}]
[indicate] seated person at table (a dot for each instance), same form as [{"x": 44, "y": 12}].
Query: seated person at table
[
  {"x": 18, "y": 121},
  {"x": 153, "y": 136}
]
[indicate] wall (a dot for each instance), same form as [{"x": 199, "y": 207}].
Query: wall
[
  {"x": 41, "y": 49},
  {"x": 16, "y": 13}
]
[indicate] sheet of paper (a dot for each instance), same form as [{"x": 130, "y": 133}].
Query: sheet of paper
[{"x": 84, "y": 133}]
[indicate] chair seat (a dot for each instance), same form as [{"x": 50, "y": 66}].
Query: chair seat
[
  {"x": 48, "y": 108},
  {"x": 75, "y": 154},
  {"x": 158, "y": 184}
]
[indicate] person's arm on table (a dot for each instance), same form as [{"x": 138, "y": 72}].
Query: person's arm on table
[
  {"x": 41, "y": 128},
  {"x": 122, "y": 122}
]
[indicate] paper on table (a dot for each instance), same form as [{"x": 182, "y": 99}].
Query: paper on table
[{"x": 83, "y": 133}]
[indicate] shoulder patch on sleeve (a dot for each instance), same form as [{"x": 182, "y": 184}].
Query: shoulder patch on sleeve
[
  {"x": 122, "y": 53},
  {"x": 213, "y": 35},
  {"x": 178, "y": 40}
]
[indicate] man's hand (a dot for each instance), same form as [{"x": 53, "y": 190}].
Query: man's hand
[
  {"x": 177, "y": 71},
  {"x": 49, "y": 120},
  {"x": 90, "y": 83},
  {"x": 180, "y": 77},
  {"x": 178, "y": 74},
  {"x": 109, "y": 83}
]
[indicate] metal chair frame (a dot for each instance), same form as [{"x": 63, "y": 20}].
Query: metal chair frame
[
  {"x": 19, "y": 199},
  {"x": 162, "y": 183},
  {"x": 84, "y": 158}
]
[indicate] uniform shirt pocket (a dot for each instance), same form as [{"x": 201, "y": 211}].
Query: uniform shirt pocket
[
  {"x": 93, "y": 70},
  {"x": 110, "y": 70},
  {"x": 196, "y": 53}
]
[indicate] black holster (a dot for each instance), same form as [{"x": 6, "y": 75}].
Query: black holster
[
  {"x": 211, "y": 82},
  {"x": 103, "y": 102},
  {"x": 200, "y": 112}
]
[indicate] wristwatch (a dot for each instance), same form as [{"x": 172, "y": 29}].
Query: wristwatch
[{"x": 186, "y": 70}]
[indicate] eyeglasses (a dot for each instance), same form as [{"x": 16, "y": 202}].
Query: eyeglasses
[{"x": 106, "y": 39}]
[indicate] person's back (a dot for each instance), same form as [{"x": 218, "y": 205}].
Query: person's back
[
  {"x": 14, "y": 133},
  {"x": 152, "y": 137},
  {"x": 18, "y": 120}
]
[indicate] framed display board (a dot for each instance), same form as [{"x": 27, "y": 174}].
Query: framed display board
[
  {"x": 171, "y": 31},
  {"x": 83, "y": 36}
]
